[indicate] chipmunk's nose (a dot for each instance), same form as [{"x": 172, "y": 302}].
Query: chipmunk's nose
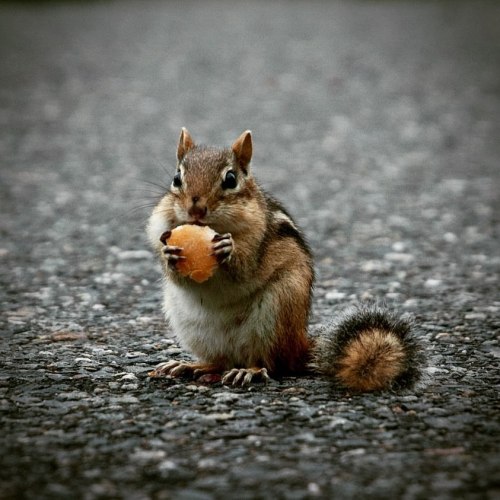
[{"x": 197, "y": 210}]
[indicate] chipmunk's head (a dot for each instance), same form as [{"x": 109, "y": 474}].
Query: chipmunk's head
[{"x": 212, "y": 186}]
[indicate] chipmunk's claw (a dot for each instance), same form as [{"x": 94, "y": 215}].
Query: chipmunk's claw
[
  {"x": 244, "y": 376},
  {"x": 175, "y": 368},
  {"x": 223, "y": 247},
  {"x": 165, "y": 236},
  {"x": 172, "y": 254}
]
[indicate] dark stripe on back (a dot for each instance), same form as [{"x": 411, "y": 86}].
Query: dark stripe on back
[{"x": 283, "y": 228}]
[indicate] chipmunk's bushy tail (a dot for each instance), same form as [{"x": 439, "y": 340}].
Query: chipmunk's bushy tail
[{"x": 369, "y": 348}]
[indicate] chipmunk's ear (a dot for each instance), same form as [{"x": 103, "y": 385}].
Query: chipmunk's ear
[
  {"x": 242, "y": 148},
  {"x": 185, "y": 143}
]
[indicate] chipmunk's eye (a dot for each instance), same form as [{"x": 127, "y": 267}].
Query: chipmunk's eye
[
  {"x": 177, "y": 182},
  {"x": 230, "y": 181}
]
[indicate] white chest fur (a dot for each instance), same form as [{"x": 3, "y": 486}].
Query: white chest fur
[{"x": 217, "y": 326}]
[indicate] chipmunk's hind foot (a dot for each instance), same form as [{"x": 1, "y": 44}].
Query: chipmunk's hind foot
[
  {"x": 176, "y": 368},
  {"x": 244, "y": 376}
]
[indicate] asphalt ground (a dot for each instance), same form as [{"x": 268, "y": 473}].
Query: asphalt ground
[{"x": 376, "y": 123}]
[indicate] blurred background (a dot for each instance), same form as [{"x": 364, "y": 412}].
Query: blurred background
[
  {"x": 93, "y": 95},
  {"x": 375, "y": 122}
]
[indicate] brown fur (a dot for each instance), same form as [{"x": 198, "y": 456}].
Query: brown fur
[
  {"x": 371, "y": 361},
  {"x": 288, "y": 273}
]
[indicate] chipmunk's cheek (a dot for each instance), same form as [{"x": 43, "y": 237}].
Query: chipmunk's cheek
[
  {"x": 222, "y": 213},
  {"x": 181, "y": 214}
]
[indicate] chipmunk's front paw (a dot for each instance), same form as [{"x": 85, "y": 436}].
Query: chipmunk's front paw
[
  {"x": 244, "y": 376},
  {"x": 223, "y": 246},
  {"x": 171, "y": 253}
]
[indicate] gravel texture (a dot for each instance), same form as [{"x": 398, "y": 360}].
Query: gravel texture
[{"x": 376, "y": 123}]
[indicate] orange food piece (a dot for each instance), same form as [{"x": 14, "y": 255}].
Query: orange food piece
[{"x": 196, "y": 244}]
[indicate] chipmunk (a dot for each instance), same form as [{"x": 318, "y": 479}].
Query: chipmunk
[{"x": 249, "y": 321}]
